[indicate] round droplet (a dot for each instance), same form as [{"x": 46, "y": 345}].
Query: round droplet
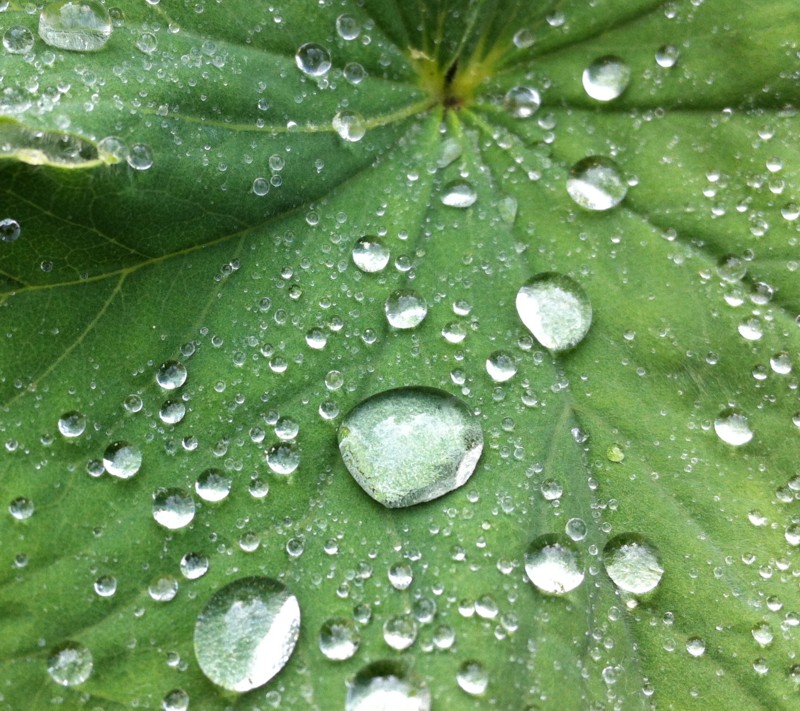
[
  {"x": 731, "y": 268},
  {"x": 522, "y": 101},
  {"x": 105, "y": 586},
  {"x": 370, "y": 254},
  {"x": 70, "y": 664},
  {"x": 213, "y": 485},
  {"x": 9, "y": 230},
  {"x": 260, "y": 186},
  {"x": 606, "y": 78},
  {"x": 410, "y": 445},
  {"x": 122, "y": 459},
  {"x": 313, "y": 59},
  {"x": 140, "y": 156},
  {"x": 472, "y": 677},
  {"x": 171, "y": 375},
  {"x": 339, "y": 638},
  {"x": 500, "y": 366},
  {"x": 163, "y": 589},
  {"x": 523, "y": 38},
  {"x": 781, "y": 363},
  {"x": 21, "y": 508},
  {"x": 667, "y": 56},
  {"x": 458, "y": 193},
  {"x": 350, "y": 126},
  {"x": 596, "y": 183},
  {"x": 77, "y": 25},
  {"x": 633, "y": 563},
  {"x": 576, "y": 529},
  {"x": 72, "y": 424},
  {"x": 400, "y": 632},
  {"x": 695, "y": 646},
  {"x": 283, "y": 458},
  {"x": 18, "y": 39},
  {"x": 347, "y": 27},
  {"x": 246, "y": 633},
  {"x": 172, "y": 412},
  {"x": 553, "y": 564},
  {"x": 384, "y": 686},
  {"x": 175, "y": 700},
  {"x": 733, "y": 428},
  {"x": 173, "y": 508},
  {"x": 147, "y": 42},
  {"x": 555, "y": 309},
  {"x": 400, "y": 576},
  {"x": 193, "y": 566},
  {"x": 405, "y": 308}
]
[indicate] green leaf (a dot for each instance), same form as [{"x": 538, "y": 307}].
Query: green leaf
[{"x": 119, "y": 266}]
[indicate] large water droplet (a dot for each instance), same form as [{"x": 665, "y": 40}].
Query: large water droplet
[
  {"x": 522, "y": 101},
  {"x": 171, "y": 375},
  {"x": 410, "y": 445},
  {"x": 732, "y": 427},
  {"x": 283, "y": 458},
  {"x": 18, "y": 39},
  {"x": 370, "y": 254},
  {"x": 555, "y": 309},
  {"x": 472, "y": 677},
  {"x": 386, "y": 686},
  {"x": 173, "y": 508},
  {"x": 9, "y": 230},
  {"x": 246, "y": 633},
  {"x": 313, "y": 59},
  {"x": 350, "y": 126},
  {"x": 213, "y": 485},
  {"x": 21, "y": 508},
  {"x": 606, "y": 78},
  {"x": 72, "y": 424},
  {"x": 633, "y": 563},
  {"x": 596, "y": 183},
  {"x": 70, "y": 664},
  {"x": 77, "y": 25},
  {"x": 175, "y": 700},
  {"x": 405, "y": 308},
  {"x": 553, "y": 564},
  {"x": 122, "y": 459},
  {"x": 500, "y": 366},
  {"x": 458, "y": 193},
  {"x": 339, "y": 638}
]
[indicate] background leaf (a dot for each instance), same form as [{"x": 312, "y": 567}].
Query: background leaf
[{"x": 117, "y": 270}]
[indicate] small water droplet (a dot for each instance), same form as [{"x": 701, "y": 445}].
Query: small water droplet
[
  {"x": 385, "y": 685},
  {"x": 313, "y": 59},
  {"x": 18, "y": 39},
  {"x": 731, "y": 268},
  {"x": 522, "y": 101},
  {"x": 762, "y": 633},
  {"x": 370, "y": 254},
  {"x": 501, "y": 366},
  {"x": 555, "y": 309},
  {"x": 140, "y": 156},
  {"x": 173, "y": 508},
  {"x": 781, "y": 363},
  {"x": 193, "y": 566},
  {"x": 667, "y": 56},
  {"x": 339, "y": 638},
  {"x": 553, "y": 564},
  {"x": 171, "y": 375},
  {"x": 523, "y": 38},
  {"x": 9, "y": 230},
  {"x": 105, "y": 586},
  {"x": 122, "y": 459},
  {"x": 405, "y": 309},
  {"x": 72, "y": 424},
  {"x": 350, "y": 125},
  {"x": 246, "y": 633},
  {"x": 576, "y": 529},
  {"x": 606, "y": 78},
  {"x": 260, "y": 186},
  {"x": 283, "y": 458},
  {"x": 400, "y": 632},
  {"x": 347, "y": 27},
  {"x": 732, "y": 427},
  {"x": 76, "y": 25},
  {"x": 400, "y": 576},
  {"x": 175, "y": 700},
  {"x": 458, "y": 193},
  {"x": 410, "y": 445},
  {"x": 213, "y": 485},
  {"x": 695, "y": 646},
  {"x": 70, "y": 664},
  {"x": 596, "y": 183},
  {"x": 172, "y": 412},
  {"x": 472, "y": 677},
  {"x": 163, "y": 589},
  {"x": 21, "y": 508},
  {"x": 147, "y": 42},
  {"x": 633, "y": 563}
]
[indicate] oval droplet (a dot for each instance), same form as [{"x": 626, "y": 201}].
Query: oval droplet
[
  {"x": 732, "y": 427},
  {"x": 472, "y": 677},
  {"x": 72, "y": 424},
  {"x": 76, "y": 25},
  {"x": 70, "y": 664},
  {"x": 313, "y": 59},
  {"x": 283, "y": 458},
  {"x": 553, "y": 564},
  {"x": 171, "y": 375},
  {"x": 246, "y": 633},
  {"x": 405, "y": 309},
  {"x": 500, "y": 366},
  {"x": 386, "y": 684},
  {"x": 555, "y": 309},
  {"x": 459, "y": 193},
  {"x": 370, "y": 254},
  {"x": 596, "y": 183},
  {"x": 9, "y": 230},
  {"x": 522, "y": 101},
  {"x": 122, "y": 459},
  {"x": 410, "y": 445},
  {"x": 633, "y": 563},
  {"x": 606, "y": 78},
  {"x": 339, "y": 638},
  {"x": 350, "y": 125}
]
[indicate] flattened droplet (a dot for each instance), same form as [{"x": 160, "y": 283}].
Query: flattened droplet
[
  {"x": 76, "y": 25},
  {"x": 410, "y": 445},
  {"x": 386, "y": 685},
  {"x": 555, "y": 309},
  {"x": 70, "y": 664},
  {"x": 459, "y": 193},
  {"x": 596, "y": 183},
  {"x": 246, "y": 633},
  {"x": 633, "y": 563},
  {"x": 733, "y": 428},
  {"x": 405, "y": 309}
]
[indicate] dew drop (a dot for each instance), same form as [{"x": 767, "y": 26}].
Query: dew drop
[
  {"x": 172, "y": 412},
  {"x": 122, "y": 459},
  {"x": 9, "y": 230},
  {"x": 370, "y": 254},
  {"x": 555, "y": 309},
  {"x": 458, "y": 193},
  {"x": 501, "y": 367},
  {"x": 385, "y": 685},
  {"x": 400, "y": 576},
  {"x": 350, "y": 125},
  {"x": 313, "y": 59},
  {"x": 163, "y": 589},
  {"x": 213, "y": 485},
  {"x": 731, "y": 268},
  {"x": 606, "y": 78},
  {"x": 405, "y": 309},
  {"x": 260, "y": 186},
  {"x": 171, "y": 375},
  {"x": 175, "y": 700},
  {"x": 633, "y": 563},
  {"x": 339, "y": 638},
  {"x": 246, "y": 633},
  {"x": 695, "y": 646},
  {"x": 140, "y": 157},
  {"x": 193, "y": 566},
  {"x": 472, "y": 677},
  {"x": 283, "y": 458},
  {"x": 21, "y": 508},
  {"x": 173, "y": 508},
  {"x": 76, "y": 25},
  {"x": 667, "y": 56},
  {"x": 553, "y": 564},
  {"x": 410, "y": 445},
  {"x": 522, "y": 101},
  {"x": 18, "y": 40},
  {"x": 105, "y": 586},
  {"x": 596, "y": 183},
  {"x": 400, "y": 632},
  {"x": 72, "y": 424},
  {"x": 732, "y": 427},
  {"x": 347, "y": 27},
  {"x": 523, "y": 38},
  {"x": 70, "y": 664}
]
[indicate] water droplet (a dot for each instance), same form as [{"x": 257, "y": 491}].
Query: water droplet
[
  {"x": 667, "y": 56},
  {"x": 171, "y": 375},
  {"x": 354, "y": 73},
  {"x": 385, "y": 685},
  {"x": 21, "y": 508},
  {"x": 122, "y": 459},
  {"x": 454, "y": 332},
  {"x": 731, "y": 268},
  {"x": 72, "y": 424},
  {"x": 283, "y": 458},
  {"x": 555, "y": 309},
  {"x": 762, "y": 633},
  {"x": 370, "y": 254},
  {"x": 732, "y": 427},
  {"x": 175, "y": 700},
  {"x": 172, "y": 412},
  {"x": 596, "y": 183},
  {"x": 18, "y": 40},
  {"x": 781, "y": 363},
  {"x": 286, "y": 429},
  {"x": 458, "y": 193},
  {"x": 410, "y": 445},
  {"x": 260, "y": 186},
  {"x": 695, "y": 646},
  {"x": 633, "y": 563},
  {"x": 522, "y": 101},
  {"x": 193, "y": 566},
  {"x": 213, "y": 485},
  {"x": 405, "y": 308},
  {"x": 553, "y": 564},
  {"x": 347, "y": 27},
  {"x": 246, "y": 633},
  {"x": 339, "y": 638},
  {"x": 615, "y": 453},
  {"x": 173, "y": 508},
  {"x": 523, "y": 39},
  {"x": 313, "y": 59},
  {"x": 140, "y": 156},
  {"x": 576, "y": 529},
  {"x": 472, "y": 677},
  {"x": 350, "y": 126},
  {"x": 9, "y": 230},
  {"x": 400, "y": 632},
  {"x": 400, "y": 576},
  {"x": 77, "y": 25},
  {"x": 70, "y": 664},
  {"x": 147, "y": 42},
  {"x": 163, "y": 589},
  {"x": 500, "y": 366},
  {"x": 606, "y": 78},
  {"x": 105, "y": 586}
]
